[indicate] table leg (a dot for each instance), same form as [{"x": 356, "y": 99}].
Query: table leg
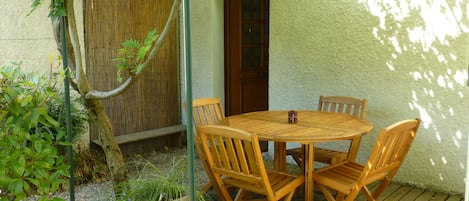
[
  {"x": 280, "y": 154},
  {"x": 309, "y": 171},
  {"x": 354, "y": 146}
]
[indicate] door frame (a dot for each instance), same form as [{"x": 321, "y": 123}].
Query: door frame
[{"x": 228, "y": 51}]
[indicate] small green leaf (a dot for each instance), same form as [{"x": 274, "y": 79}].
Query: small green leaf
[
  {"x": 40, "y": 173},
  {"x": 22, "y": 162},
  {"x": 34, "y": 181},
  {"x": 13, "y": 142},
  {"x": 38, "y": 146},
  {"x": 16, "y": 186},
  {"x": 17, "y": 168},
  {"x": 26, "y": 186}
]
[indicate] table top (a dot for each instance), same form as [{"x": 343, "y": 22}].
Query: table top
[{"x": 312, "y": 126}]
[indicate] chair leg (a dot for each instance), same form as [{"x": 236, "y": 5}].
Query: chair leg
[
  {"x": 297, "y": 160},
  {"x": 367, "y": 193},
  {"x": 299, "y": 157},
  {"x": 326, "y": 192},
  {"x": 240, "y": 195},
  {"x": 289, "y": 196},
  {"x": 340, "y": 196},
  {"x": 381, "y": 187}
]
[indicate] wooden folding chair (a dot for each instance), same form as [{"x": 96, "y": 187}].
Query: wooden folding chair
[
  {"x": 235, "y": 158},
  {"x": 339, "y": 104},
  {"x": 206, "y": 111},
  {"x": 348, "y": 178}
]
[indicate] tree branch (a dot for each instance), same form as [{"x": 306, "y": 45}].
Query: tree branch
[{"x": 75, "y": 44}]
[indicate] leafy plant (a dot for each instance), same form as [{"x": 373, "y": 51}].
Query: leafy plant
[
  {"x": 28, "y": 148},
  {"x": 56, "y": 8},
  {"x": 132, "y": 55},
  {"x": 79, "y": 117},
  {"x": 152, "y": 183}
]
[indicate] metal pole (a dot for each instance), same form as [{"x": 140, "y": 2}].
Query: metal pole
[
  {"x": 188, "y": 62},
  {"x": 67, "y": 107}
]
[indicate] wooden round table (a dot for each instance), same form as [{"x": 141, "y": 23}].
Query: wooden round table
[{"x": 311, "y": 127}]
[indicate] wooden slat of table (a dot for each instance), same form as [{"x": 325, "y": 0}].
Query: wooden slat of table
[{"x": 273, "y": 126}]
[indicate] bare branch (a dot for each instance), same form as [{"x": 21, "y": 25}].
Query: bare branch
[
  {"x": 100, "y": 95},
  {"x": 56, "y": 29},
  {"x": 75, "y": 44}
]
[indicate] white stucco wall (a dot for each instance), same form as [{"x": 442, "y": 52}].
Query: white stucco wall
[
  {"x": 409, "y": 62},
  {"x": 206, "y": 18},
  {"x": 207, "y": 48},
  {"x": 26, "y": 39}
]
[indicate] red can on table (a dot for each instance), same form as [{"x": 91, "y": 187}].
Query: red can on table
[{"x": 292, "y": 117}]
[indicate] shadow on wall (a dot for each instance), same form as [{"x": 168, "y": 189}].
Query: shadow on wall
[{"x": 428, "y": 41}]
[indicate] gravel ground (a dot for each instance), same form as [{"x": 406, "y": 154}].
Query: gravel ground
[
  {"x": 104, "y": 192},
  {"x": 163, "y": 161}
]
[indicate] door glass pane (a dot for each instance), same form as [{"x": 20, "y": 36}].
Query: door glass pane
[
  {"x": 251, "y": 9},
  {"x": 251, "y": 57}
]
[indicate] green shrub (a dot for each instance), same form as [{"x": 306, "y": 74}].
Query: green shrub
[
  {"x": 78, "y": 115},
  {"x": 29, "y": 137}
]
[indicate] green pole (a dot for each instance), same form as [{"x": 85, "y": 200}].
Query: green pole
[
  {"x": 67, "y": 107},
  {"x": 190, "y": 136}
]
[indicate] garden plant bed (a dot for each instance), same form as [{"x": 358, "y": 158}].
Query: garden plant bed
[{"x": 163, "y": 160}]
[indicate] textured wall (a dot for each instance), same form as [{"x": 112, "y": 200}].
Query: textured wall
[
  {"x": 25, "y": 38},
  {"x": 29, "y": 39},
  {"x": 409, "y": 62},
  {"x": 207, "y": 43}
]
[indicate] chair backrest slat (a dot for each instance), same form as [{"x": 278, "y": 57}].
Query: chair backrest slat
[
  {"x": 207, "y": 111},
  {"x": 343, "y": 104}
]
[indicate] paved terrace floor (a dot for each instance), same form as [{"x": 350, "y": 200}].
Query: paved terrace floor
[{"x": 394, "y": 192}]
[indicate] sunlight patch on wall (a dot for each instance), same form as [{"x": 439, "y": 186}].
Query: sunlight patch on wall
[
  {"x": 440, "y": 21},
  {"x": 447, "y": 81},
  {"x": 425, "y": 39},
  {"x": 460, "y": 77},
  {"x": 456, "y": 138},
  {"x": 390, "y": 66},
  {"x": 443, "y": 160},
  {"x": 424, "y": 115},
  {"x": 441, "y": 176}
]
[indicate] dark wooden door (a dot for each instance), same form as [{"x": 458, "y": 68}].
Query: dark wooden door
[{"x": 246, "y": 55}]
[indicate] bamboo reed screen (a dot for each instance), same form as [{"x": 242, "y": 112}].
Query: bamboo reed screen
[{"x": 154, "y": 101}]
